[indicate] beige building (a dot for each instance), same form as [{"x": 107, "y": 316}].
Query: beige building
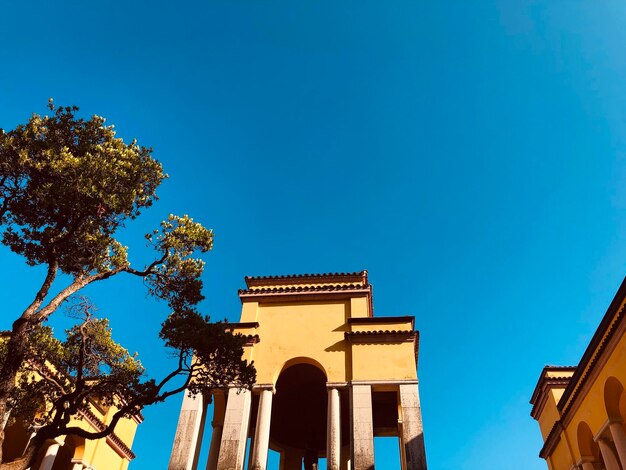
[
  {"x": 581, "y": 409},
  {"x": 330, "y": 377},
  {"x": 75, "y": 453}
]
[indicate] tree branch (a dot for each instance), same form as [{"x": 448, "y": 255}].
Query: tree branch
[
  {"x": 53, "y": 266},
  {"x": 64, "y": 236},
  {"x": 44, "y": 372},
  {"x": 149, "y": 269},
  {"x": 74, "y": 287}
]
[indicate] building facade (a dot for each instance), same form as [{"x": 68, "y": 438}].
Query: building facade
[
  {"x": 581, "y": 409},
  {"x": 75, "y": 453},
  {"x": 330, "y": 377}
]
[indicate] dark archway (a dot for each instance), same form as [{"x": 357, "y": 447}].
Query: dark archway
[
  {"x": 299, "y": 410},
  {"x": 16, "y": 438}
]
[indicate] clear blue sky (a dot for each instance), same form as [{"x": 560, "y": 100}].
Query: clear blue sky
[{"x": 469, "y": 154}]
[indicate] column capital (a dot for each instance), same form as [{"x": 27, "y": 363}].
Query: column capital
[
  {"x": 602, "y": 432},
  {"x": 385, "y": 382},
  {"x": 80, "y": 461},
  {"x": 336, "y": 385},
  {"x": 262, "y": 387}
]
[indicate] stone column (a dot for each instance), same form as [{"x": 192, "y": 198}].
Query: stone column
[
  {"x": 48, "y": 458},
  {"x": 214, "y": 449},
  {"x": 607, "y": 455},
  {"x": 188, "y": 439},
  {"x": 235, "y": 432},
  {"x": 262, "y": 434},
  {"x": 219, "y": 409},
  {"x": 333, "y": 433},
  {"x": 362, "y": 427},
  {"x": 619, "y": 438},
  {"x": 412, "y": 430}
]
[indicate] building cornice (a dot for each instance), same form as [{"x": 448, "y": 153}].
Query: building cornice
[
  {"x": 385, "y": 337},
  {"x": 243, "y": 325},
  {"x": 291, "y": 279},
  {"x": 376, "y": 320},
  {"x": 546, "y": 382},
  {"x": 112, "y": 439},
  {"x": 541, "y": 394},
  {"x": 300, "y": 293}
]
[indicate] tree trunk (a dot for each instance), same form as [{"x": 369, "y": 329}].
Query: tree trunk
[{"x": 16, "y": 352}]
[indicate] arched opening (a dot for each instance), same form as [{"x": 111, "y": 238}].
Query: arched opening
[
  {"x": 298, "y": 361},
  {"x": 614, "y": 398},
  {"x": 16, "y": 438},
  {"x": 588, "y": 448},
  {"x": 615, "y": 404},
  {"x": 298, "y": 425}
]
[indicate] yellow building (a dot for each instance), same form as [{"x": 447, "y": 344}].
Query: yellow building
[
  {"x": 581, "y": 409},
  {"x": 75, "y": 453},
  {"x": 330, "y": 377}
]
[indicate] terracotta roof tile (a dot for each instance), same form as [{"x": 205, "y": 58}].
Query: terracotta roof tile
[
  {"x": 379, "y": 332},
  {"x": 360, "y": 276},
  {"x": 299, "y": 289}
]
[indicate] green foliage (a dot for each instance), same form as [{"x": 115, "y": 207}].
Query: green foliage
[
  {"x": 177, "y": 278},
  {"x": 213, "y": 352},
  {"x": 66, "y": 185},
  {"x": 61, "y": 377}
]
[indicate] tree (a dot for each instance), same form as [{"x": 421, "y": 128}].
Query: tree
[
  {"x": 61, "y": 378},
  {"x": 67, "y": 185}
]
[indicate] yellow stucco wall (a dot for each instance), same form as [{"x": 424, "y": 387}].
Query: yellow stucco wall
[
  {"x": 310, "y": 329},
  {"x": 359, "y": 307},
  {"x": 383, "y": 361},
  {"x": 549, "y": 416},
  {"x": 98, "y": 453},
  {"x": 103, "y": 456},
  {"x": 287, "y": 332}
]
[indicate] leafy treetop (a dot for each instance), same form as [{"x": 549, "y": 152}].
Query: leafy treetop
[{"x": 66, "y": 185}]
